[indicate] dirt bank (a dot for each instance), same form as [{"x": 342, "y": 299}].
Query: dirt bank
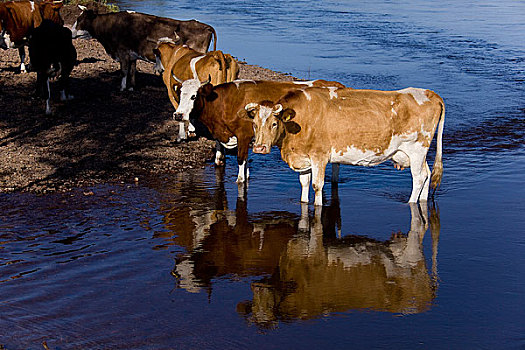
[{"x": 102, "y": 135}]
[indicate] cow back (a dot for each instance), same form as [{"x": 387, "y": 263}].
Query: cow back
[{"x": 51, "y": 44}]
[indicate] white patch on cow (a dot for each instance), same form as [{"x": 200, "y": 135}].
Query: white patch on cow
[
  {"x": 418, "y": 94},
  {"x": 307, "y": 83},
  {"x": 32, "y": 6},
  {"x": 238, "y": 82},
  {"x": 188, "y": 92},
  {"x": 232, "y": 143},
  {"x": 128, "y": 11},
  {"x": 333, "y": 93},
  {"x": 308, "y": 97},
  {"x": 193, "y": 63},
  {"x": 165, "y": 39},
  {"x": 158, "y": 68},
  {"x": 355, "y": 156},
  {"x": 242, "y": 170},
  {"x": 8, "y": 42},
  {"x": 265, "y": 113}
]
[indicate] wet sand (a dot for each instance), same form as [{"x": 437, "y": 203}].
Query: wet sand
[{"x": 103, "y": 135}]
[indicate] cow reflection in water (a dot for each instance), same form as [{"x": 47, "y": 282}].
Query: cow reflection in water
[{"x": 306, "y": 268}]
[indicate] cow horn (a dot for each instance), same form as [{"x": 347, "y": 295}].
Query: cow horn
[
  {"x": 250, "y": 106},
  {"x": 207, "y": 81},
  {"x": 176, "y": 79},
  {"x": 277, "y": 109},
  {"x": 83, "y": 8}
]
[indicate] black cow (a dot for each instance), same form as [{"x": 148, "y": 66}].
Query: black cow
[
  {"x": 128, "y": 36},
  {"x": 52, "y": 55}
]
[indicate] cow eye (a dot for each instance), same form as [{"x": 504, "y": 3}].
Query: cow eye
[
  {"x": 193, "y": 97},
  {"x": 274, "y": 124}
]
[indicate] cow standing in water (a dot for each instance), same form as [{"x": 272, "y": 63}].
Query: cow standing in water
[
  {"x": 128, "y": 36},
  {"x": 19, "y": 18},
  {"x": 52, "y": 55},
  {"x": 218, "y": 107},
  {"x": 184, "y": 70},
  {"x": 315, "y": 127}
]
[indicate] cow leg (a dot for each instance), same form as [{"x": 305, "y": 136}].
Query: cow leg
[
  {"x": 22, "y": 54},
  {"x": 182, "y": 131},
  {"x": 48, "y": 100},
  {"x": 64, "y": 85},
  {"x": 131, "y": 74},
  {"x": 304, "y": 179},
  {"x": 219, "y": 154},
  {"x": 420, "y": 178},
  {"x": 242, "y": 156},
  {"x": 423, "y": 197},
  {"x": 318, "y": 172},
  {"x": 335, "y": 172},
  {"x": 124, "y": 68}
]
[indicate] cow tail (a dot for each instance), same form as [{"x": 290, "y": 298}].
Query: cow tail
[
  {"x": 437, "y": 168},
  {"x": 214, "y": 39}
]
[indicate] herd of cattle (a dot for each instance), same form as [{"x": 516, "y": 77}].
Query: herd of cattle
[{"x": 313, "y": 123}]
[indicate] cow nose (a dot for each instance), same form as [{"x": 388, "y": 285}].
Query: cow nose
[
  {"x": 260, "y": 149},
  {"x": 177, "y": 116}
]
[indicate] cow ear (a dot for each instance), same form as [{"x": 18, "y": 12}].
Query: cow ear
[{"x": 287, "y": 115}]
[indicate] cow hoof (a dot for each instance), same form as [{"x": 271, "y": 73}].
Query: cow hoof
[{"x": 130, "y": 89}]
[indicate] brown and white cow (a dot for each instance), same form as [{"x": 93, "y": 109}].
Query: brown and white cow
[
  {"x": 218, "y": 107},
  {"x": 316, "y": 126},
  {"x": 128, "y": 36},
  {"x": 183, "y": 69},
  {"x": 18, "y": 18}
]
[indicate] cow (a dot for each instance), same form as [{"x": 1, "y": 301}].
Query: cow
[
  {"x": 127, "y": 36},
  {"x": 18, "y": 18},
  {"x": 316, "y": 126},
  {"x": 52, "y": 55},
  {"x": 218, "y": 109},
  {"x": 183, "y": 69}
]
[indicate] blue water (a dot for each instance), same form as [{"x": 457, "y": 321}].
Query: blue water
[{"x": 181, "y": 262}]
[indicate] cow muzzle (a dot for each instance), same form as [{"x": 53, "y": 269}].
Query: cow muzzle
[
  {"x": 178, "y": 116},
  {"x": 261, "y": 149}
]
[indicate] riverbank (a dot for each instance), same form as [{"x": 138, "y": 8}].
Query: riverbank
[{"x": 103, "y": 135}]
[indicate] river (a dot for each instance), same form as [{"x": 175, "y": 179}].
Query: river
[{"x": 183, "y": 262}]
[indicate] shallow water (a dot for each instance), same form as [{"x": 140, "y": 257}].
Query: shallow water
[{"x": 182, "y": 262}]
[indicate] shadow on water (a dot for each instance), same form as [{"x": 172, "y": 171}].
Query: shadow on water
[{"x": 300, "y": 266}]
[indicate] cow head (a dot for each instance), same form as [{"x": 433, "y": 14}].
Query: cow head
[
  {"x": 51, "y": 10},
  {"x": 189, "y": 90},
  {"x": 83, "y": 23},
  {"x": 269, "y": 123}
]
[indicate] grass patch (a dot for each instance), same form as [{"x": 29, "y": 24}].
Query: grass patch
[{"x": 110, "y": 7}]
